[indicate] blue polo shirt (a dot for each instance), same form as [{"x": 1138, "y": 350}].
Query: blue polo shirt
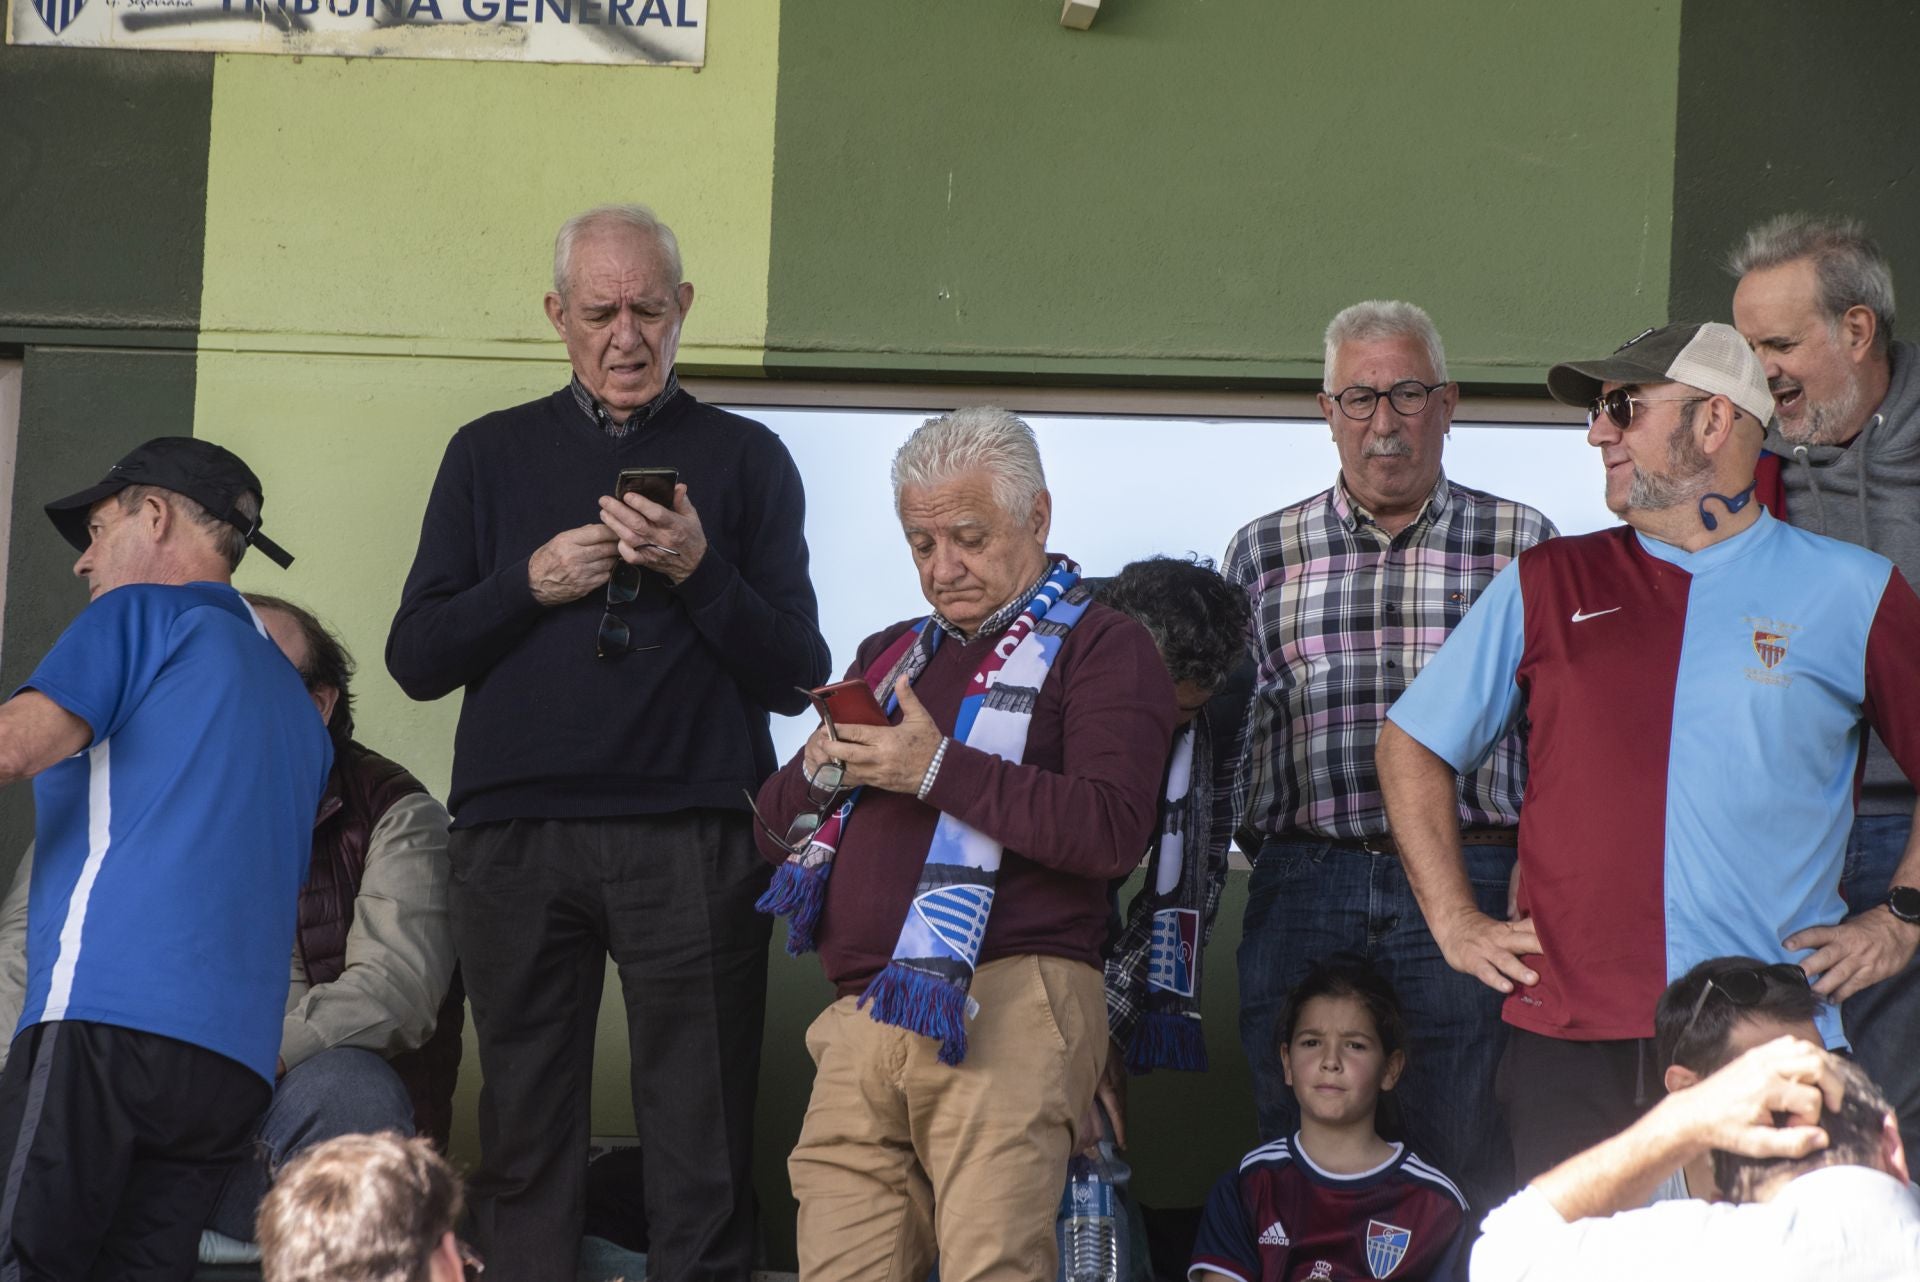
[{"x": 170, "y": 852}]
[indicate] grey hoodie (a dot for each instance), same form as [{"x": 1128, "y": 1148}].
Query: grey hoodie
[{"x": 1868, "y": 492}]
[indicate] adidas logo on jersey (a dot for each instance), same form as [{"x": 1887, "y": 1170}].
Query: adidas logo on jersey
[{"x": 1275, "y": 1235}]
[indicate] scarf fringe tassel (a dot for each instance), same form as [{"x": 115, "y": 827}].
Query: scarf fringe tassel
[
  {"x": 1165, "y": 1039},
  {"x": 797, "y": 894},
  {"x": 923, "y": 1004}
]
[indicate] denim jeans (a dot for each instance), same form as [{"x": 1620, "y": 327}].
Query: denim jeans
[
  {"x": 343, "y": 1091},
  {"x": 1310, "y": 899},
  {"x": 1883, "y": 1023}
]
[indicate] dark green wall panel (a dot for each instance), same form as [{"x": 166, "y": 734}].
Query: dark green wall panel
[
  {"x": 1190, "y": 190},
  {"x": 80, "y": 409},
  {"x": 103, "y": 187},
  {"x": 1785, "y": 106}
]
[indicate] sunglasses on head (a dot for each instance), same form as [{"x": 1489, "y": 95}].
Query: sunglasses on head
[
  {"x": 1743, "y": 987},
  {"x": 1618, "y": 405}
]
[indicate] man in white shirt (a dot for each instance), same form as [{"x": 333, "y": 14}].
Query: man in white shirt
[
  {"x": 1709, "y": 1017},
  {"x": 1804, "y": 1145}
]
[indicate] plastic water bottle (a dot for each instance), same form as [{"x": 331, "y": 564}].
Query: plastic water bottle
[{"x": 1088, "y": 1223}]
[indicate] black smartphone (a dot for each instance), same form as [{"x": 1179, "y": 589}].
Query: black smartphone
[{"x": 655, "y": 484}]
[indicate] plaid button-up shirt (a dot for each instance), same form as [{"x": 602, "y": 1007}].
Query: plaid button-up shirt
[
  {"x": 1344, "y": 617},
  {"x": 594, "y": 410}
]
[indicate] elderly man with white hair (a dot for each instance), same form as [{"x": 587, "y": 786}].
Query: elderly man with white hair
[
  {"x": 619, "y": 654},
  {"x": 1697, "y": 685},
  {"x": 951, "y": 869},
  {"x": 1353, "y": 590}
]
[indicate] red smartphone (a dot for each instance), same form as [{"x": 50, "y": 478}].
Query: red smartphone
[
  {"x": 655, "y": 484},
  {"x": 849, "y": 703}
]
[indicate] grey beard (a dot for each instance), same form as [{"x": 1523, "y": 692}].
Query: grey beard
[
  {"x": 1689, "y": 473},
  {"x": 1651, "y": 493},
  {"x": 1825, "y": 421}
]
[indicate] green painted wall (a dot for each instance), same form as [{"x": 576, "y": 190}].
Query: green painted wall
[
  {"x": 80, "y": 409},
  {"x": 407, "y": 209},
  {"x": 1791, "y": 106},
  {"x": 103, "y": 181},
  {"x": 1193, "y": 187}
]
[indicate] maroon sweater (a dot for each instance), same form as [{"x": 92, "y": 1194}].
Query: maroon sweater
[{"x": 1078, "y": 810}]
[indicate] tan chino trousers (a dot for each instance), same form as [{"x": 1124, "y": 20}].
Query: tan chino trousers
[{"x": 900, "y": 1152}]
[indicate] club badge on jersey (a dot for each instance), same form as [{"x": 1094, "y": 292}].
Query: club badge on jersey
[{"x": 1386, "y": 1247}]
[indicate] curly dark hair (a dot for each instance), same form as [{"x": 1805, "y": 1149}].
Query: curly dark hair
[
  {"x": 1197, "y": 619},
  {"x": 328, "y": 661},
  {"x": 1853, "y": 1139}
]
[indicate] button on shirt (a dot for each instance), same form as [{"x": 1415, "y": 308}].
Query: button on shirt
[{"x": 1344, "y": 617}]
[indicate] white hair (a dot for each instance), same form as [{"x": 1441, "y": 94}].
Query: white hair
[
  {"x": 1848, "y": 267},
  {"x": 981, "y": 438},
  {"x": 1382, "y": 318},
  {"x": 629, "y": 217}
]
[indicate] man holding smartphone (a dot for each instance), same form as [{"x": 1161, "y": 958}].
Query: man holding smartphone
[{"x": 598, "y": 773}]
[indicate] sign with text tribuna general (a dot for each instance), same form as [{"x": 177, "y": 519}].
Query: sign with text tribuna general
[{"x": 665, "y": 33}]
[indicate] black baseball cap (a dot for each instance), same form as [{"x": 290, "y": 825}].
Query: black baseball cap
[{"x": 213, "y": 477}]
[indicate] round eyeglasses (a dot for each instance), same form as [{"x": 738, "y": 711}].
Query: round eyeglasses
[{"x": 1408, "y": 396}]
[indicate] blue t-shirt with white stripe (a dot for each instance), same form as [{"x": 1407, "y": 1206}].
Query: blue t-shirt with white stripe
[{"x": 170, "y": 853}]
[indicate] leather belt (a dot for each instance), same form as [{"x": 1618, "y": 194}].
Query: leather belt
[{"x": 1384, "y": 844}]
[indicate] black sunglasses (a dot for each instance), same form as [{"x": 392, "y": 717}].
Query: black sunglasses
[
  {"x": 1743, "y": 987},
  {"x": 1618, "y": 405},
  {"x": 616, "y": 638}
]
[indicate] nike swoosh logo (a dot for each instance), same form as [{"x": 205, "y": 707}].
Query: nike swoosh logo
[{"x": 1581, "y": 616}]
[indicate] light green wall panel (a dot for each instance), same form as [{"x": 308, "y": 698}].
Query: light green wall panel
[
  {"x": 408, "y": 207},
  {"x": 347, "y": 448}
]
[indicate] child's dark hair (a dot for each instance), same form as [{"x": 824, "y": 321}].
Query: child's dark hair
[
  {"x": 1350, "y": 975},
  {"x": 1346, "y": 975}
]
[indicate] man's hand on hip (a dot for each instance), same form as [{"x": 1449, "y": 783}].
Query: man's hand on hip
[
  {"x": 670, "y": 540},
  {"x": 571, "y": 564},
  {"x": 1858, "y": 953},
  {"x": 891, "y": 757},
  {"x": 1490, "y": 950}
]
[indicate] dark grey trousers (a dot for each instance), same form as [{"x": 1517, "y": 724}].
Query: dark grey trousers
[{"x": 537, "y": 906}]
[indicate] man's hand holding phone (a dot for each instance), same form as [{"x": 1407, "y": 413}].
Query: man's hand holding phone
[
  {"x": 891, "y": 757},
  {"x": 656, "y": 529}
]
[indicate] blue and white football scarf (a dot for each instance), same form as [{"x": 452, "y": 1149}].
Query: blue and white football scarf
[{"x": 924, "y": 988}]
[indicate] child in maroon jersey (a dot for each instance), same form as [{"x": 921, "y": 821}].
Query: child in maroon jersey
[{"x": 1335, "y": 1201}]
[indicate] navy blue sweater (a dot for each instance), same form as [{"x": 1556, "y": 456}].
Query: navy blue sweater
[{"x": 548, "y": 730}]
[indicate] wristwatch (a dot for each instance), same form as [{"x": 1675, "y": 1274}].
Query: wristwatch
[{"x": 1904, "y": 902}]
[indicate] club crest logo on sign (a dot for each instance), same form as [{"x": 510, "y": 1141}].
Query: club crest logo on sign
[
  {"x": 58, "y": 14},
  {"x": 1176, "y": 940},
  {"x": 1386, "y": 1247},
  {"x": 1770, "y": 646}
]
